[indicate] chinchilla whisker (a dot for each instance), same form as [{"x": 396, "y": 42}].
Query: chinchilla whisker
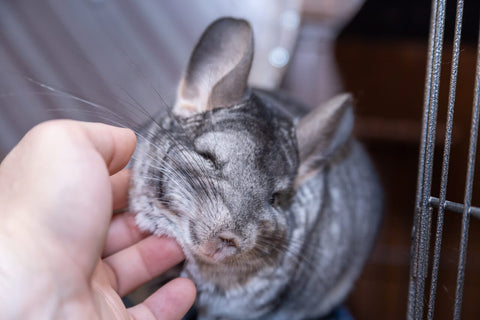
[
  {"x": 67, "y": 94},
  {"x": 99, "y": 115},
  {"x": 162, "y": 164},
  {"x": 22, "y": 93},
  {"x": 180, "y": 174},
  {"x": 175, "y": 178},
  {"x": 193, "y": 179},
  {"x": 100, "y": 111},
  {"x": 188, "y": 146},
  {"x": 109, "y": 114},
  {"x": 135, "y": 104},
  {"x": 304, "y": 260},
  {"x": 168, "y": 175},
  {"x": 174, "y": 175},
  {"x": 201, "y": 166},
  {"x": 289, "y": 248},
  {"x": 136, "y": 68}
]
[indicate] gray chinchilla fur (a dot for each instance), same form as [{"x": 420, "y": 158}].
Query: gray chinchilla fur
[{"x": 275, "y": 206}]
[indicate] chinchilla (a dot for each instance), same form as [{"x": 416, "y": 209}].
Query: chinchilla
[{"x": 275, "y": 206}]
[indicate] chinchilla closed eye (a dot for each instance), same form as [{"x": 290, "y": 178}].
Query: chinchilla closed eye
[{"x": 275, "y": 206}]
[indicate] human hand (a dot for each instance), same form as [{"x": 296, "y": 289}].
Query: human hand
[{"x": 62, "y": 255}]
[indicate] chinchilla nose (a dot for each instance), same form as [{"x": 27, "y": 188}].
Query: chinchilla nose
[{"x": 221, "y": 246}]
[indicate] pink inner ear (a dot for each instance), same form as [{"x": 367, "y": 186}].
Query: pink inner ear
[{"x": 190, "y": 100}]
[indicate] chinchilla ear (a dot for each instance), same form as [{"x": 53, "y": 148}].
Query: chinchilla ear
[
  {"x": 322, "y": 132},
  {"x": 218, "y": 69}
]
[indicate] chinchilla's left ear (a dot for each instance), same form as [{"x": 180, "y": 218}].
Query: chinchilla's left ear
[
  {"x": 322, "y": 132},
  {"x": 218, "y": 69}
]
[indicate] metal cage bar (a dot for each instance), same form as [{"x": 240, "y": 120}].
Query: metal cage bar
[
  {"x": 422, "y": 209},
  {"x": 468, "y": 191},
  {"x": 425, "y": 202},
  {"x": 446, "y": 159}
]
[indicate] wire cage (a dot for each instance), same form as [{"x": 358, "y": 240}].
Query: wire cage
[{"x": 431, "y": 208}]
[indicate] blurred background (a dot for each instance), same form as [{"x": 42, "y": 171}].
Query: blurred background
[
  {"x": 124, "y": 54},
  {"x": 382, "y": 56}
]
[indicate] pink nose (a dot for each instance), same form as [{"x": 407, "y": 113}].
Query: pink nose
[{"x": 222, "y": 246}]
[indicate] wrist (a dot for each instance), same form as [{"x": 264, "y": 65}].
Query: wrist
[
  {"x": 26, "y": 291},
  {"x": 29, "y": 288}
]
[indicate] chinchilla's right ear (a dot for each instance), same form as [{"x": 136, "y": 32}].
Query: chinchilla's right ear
[
  {"x": 322, "y": 132},
  {"x": 218, "y": 69}
]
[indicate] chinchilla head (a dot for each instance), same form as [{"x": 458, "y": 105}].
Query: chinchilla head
[{"x": 220, "y": 174}]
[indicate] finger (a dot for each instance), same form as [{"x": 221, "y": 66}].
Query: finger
[
  {"x": 120, "y": 183},
  {"x": 122, "y": 233},
  {"x": 143, "y": 261},
  {"x": 61, "y": 185},
  {"x": 115, "y": 145},
  {"x": 172, "y": 301}
]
